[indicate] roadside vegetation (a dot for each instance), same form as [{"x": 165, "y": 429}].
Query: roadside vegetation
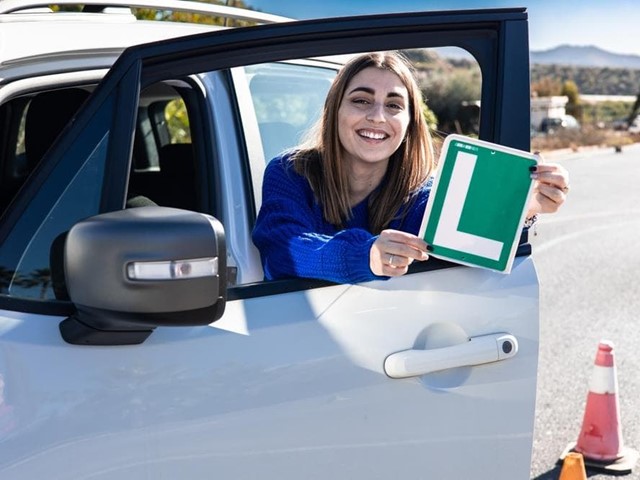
[
  {"x": 585, "y": 137},
  {"x": 603, "y": 123}
]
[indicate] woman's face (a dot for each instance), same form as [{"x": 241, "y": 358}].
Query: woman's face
[{"x": 373, "y": 116}]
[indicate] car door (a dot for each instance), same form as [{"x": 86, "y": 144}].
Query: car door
[{"x": 431, "y": 375}]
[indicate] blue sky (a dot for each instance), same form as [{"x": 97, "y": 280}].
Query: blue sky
[{"x": 613, "y": 25}]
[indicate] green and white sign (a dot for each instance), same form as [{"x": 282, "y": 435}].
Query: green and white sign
[{"x": 478, "y": 203}]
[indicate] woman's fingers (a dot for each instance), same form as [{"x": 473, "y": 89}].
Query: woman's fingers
[
  {"x": 551, "y": 174},
  {"x": 404, "y": 245},
  {"x": 551, "y": 188},
  {"x": 393, "y": 252}
]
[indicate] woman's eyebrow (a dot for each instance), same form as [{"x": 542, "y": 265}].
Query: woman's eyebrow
[
  {"x": 368, "y": 90},
  {"x": 371, "y": 91}
]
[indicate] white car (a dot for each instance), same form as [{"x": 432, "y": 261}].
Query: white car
[{"x": 144, "y": 342}]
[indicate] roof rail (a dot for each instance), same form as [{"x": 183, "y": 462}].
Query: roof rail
[{"x": 235, "y": 13}]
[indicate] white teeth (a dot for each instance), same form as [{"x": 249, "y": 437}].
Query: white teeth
[{"x": 372, "y": 135}]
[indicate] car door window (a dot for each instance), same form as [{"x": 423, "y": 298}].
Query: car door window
[{"x": 25, "y": 254}]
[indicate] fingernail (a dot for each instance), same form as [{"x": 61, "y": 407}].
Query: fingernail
[
  {"x": 429, "y": 248},
  {"x": 533, "y": 168}
]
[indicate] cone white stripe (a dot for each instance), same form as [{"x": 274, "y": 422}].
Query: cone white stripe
[{"x": 603, "y": 380}]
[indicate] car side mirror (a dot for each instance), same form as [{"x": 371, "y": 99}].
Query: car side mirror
[{"x": 130, "y": 271}]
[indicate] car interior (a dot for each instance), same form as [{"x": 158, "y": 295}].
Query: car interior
[
  {"x": 29, "y": 125},
  {"x": 164, "y": 160}
]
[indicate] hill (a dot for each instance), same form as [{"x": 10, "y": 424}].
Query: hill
[
  {"x": 595, "y": 71},
  {"x": 584, "y": 56}
]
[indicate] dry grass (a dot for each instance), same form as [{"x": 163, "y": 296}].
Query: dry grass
[{"x": 574, "y": 139}]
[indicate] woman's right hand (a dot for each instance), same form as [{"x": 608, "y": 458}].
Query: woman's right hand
[{"x": 393, "y": 252}]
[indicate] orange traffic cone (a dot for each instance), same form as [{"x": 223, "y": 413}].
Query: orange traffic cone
[
  {"x": 573, "y": 467},
  {"x": 600, "y": 441}
]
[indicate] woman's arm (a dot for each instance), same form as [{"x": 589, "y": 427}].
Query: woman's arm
[{"x": 293, "y": 239}]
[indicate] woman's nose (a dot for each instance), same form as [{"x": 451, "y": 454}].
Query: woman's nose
[{"x": 376, "y": 112}]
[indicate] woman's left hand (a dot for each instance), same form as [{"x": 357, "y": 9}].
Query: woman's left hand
[{"x": 550, "y": 189}]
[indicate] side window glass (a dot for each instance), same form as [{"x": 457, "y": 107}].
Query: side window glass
[
  {"x": 70, "y": 192},
  {"x": 287, "y": 99},
  {"x": 81, "y": 199}
]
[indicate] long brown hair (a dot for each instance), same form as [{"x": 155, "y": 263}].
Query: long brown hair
[{"x": 322, "y": 162}]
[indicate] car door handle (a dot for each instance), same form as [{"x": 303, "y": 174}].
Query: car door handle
[{"x": 477, "y": 351}]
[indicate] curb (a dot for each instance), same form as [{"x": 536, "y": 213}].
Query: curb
[{"x": 563, "y": 152}]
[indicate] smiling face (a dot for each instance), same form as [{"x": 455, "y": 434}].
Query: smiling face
[{"x": 372, "y": 118}]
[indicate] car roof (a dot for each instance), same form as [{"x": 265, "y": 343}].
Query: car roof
[{"x": 97, "y": 34}]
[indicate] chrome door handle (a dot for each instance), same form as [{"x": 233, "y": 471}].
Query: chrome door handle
[{"x": 477, "y": 351}]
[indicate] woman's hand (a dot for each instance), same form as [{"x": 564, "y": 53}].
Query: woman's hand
[
  {"x": 393, "y": 252},
  {"x": 550, "y": 188}
]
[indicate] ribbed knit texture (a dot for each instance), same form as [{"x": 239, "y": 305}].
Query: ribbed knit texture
[{"x": 294, "y": 240}]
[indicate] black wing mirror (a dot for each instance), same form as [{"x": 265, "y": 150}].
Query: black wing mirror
[{"x": 130, "y": 271}]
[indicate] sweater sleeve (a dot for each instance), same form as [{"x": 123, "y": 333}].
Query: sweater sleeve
[{"x": 288, "y": 234}]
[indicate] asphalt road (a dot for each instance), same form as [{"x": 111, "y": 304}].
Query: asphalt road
[{"x": 588, "y": 259}]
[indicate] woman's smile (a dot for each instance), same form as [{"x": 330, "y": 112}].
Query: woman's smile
[{"x": 373, "y": 134}]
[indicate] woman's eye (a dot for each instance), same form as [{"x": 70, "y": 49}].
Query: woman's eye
[
  {"x": 395, "y": 106},
  {"x": 360, "y": 101}
]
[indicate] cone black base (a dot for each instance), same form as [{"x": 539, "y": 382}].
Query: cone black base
[{"x": 621, "y": 466}]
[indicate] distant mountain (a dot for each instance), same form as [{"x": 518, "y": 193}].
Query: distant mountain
[{"x": 584, "y": 56}]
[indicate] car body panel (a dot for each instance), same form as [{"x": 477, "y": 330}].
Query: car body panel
[
  {"x": 286, "y": 393},
  {"x": 93, "y": 41}
]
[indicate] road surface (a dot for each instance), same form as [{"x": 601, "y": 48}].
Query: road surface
[{"x": 588, "y": 260}]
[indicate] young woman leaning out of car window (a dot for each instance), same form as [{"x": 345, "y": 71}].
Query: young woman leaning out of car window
[{"x": 347, "y": 206}]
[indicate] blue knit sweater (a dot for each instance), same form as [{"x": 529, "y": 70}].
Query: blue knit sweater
[{"x": 294, "y": 240}]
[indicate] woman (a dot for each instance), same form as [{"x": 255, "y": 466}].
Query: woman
[{"x": 348, "y": 207}]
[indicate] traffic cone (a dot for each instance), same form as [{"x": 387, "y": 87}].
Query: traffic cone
[
  {"x": 600, "y": 440},
  {"x": 573, "y": 467}
]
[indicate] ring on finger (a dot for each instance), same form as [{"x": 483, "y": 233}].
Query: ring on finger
[{"x": 390, "y": 259}]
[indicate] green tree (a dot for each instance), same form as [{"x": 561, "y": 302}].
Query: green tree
[
  {"x": 453, "y": 97},
  {"x": 430, "y": 117},
  {"x": 570, "y": 90},
  {"x": 177, "y": 16},
  {"x": 178, "y": 121},
  {"x": 186, "y": 17}
]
